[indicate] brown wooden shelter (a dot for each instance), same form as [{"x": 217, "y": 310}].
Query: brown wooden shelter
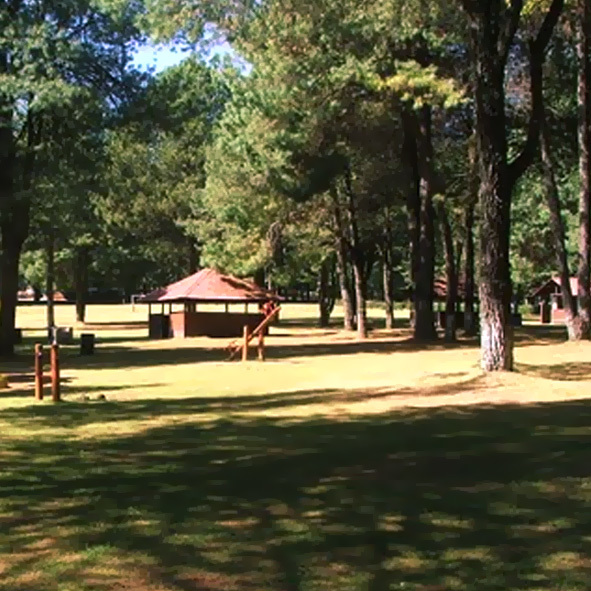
[
  {"x": 179, "y": 314},
  {"x": 549, "y": 299}
]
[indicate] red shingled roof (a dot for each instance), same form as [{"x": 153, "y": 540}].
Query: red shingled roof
[
  {"x": 553, "y": 285},
  {"x": 208, "y": 285}
]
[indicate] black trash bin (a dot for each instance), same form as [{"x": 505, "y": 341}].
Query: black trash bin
[
  {"x": 87, "y": 343},
  {"x": 18, "y": 336},
  {"x": 159, "y": 326}
]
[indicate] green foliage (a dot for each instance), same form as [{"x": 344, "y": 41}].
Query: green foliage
[{"x": 155, "y": 168}]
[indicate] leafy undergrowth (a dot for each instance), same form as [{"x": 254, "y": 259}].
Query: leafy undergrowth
[{"x": 451, "y": 499}]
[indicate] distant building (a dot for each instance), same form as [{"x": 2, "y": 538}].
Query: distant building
[{"x": 548, "y": 297}]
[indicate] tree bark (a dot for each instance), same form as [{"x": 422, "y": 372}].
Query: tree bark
[
  {"x": 493, "y": 28},
  {"x": 8, "y": 290},
  {"x": 573, "y": 324},
  {"x": 360, "y": 298},
  {"x": 14, "y": 226},
  {"x": 584, "y": 140},
  {"x": 81, "y": 282},
  {"x": 325, "y": 292},
  {"x": 346, "y": 297},
  {"x": 14, "y": 211},
  {"x": 388, "y": 288},
  {"x": 342, "y": 253},
  {"x": 413, "y": 206},
  {"x": 50, "y": 284},
  {"x": 357, "y": 258},
  {"x": 424, "y": 329},
  {"x": 11, "y": 244},
  {"x": 470, "y": 327},
  {"x": 451, "y": 275}
]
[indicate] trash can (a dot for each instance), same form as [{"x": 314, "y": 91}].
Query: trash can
[
  {"x": 87, "y": 343},
  {"x": 159, "y": 326},
  {"x": 18, "y": 336}
]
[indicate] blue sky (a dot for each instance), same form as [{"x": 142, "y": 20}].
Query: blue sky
[
  {"x": 161, "y": 57},
  {"x": 158, "y": 57}
]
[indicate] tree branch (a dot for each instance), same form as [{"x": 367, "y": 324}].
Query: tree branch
[
  {"x": 537, "y": 49},
  {"x": 507, "y": 34}
]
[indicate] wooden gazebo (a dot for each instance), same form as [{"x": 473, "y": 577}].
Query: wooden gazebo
[{"x": 178, "y": 314}]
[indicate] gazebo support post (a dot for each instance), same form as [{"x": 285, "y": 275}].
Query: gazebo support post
[
  {"x": 261, "y": 346},
  {"x": 246, "y": 333}
]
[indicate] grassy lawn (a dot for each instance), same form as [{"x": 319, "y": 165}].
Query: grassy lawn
[{"x": 335, "y": 465}]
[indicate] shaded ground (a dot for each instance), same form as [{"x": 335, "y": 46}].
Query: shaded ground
[{"x": 478, "y": 498}]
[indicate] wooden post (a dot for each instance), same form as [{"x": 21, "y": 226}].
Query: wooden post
[
  {"x": 261, "y": 346},
  {"x": 38, "y": 371},
  {"x": 245, "y": 343},
  {"x": 55, "y": 373}
]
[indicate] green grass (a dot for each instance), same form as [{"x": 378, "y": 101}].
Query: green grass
[
  {"x": 484, "y": 498},
  {"x": 307, "y": 473}
]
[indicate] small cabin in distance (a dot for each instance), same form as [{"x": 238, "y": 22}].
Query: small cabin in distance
[{"x": 548, "y": 297}]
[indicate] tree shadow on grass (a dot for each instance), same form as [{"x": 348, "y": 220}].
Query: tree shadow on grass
[
  {"x": 116, "y": 351},
  {"x": 487, "y": 498},
  {"x": 125, "y": 356},
  {"x": 540, "y": 334},
  {"x": 22, "y": 385},
  {"x": 563, "y": 372},
  {"x": 72, "y": 414}
]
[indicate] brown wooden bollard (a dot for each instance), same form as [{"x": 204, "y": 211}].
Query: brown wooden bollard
[
  {"x": 38, "y": 371},
  {"x": 261, "y": 346},
  {"x": 55, "y": 373},
  {"x": 245, "y": 343}
]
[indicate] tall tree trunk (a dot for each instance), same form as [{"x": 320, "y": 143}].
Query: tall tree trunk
[
  {"x": 469, "y": 282},
  {"x": 493, "y": 27},
  {"x": 325, "y": 292},
  {"x": 81, "y": 282},
  {"x": 14, "y": 225},
  {"x": 50, "y": 284},
  {"x": 342, "y": 253},
  {"x": 388, "y": 287},
  {"x": 358, "y": 260},
  {"x": 360, "y": 297},
  {"x": 8, "y": 291},
  {"x": 451, "y": 275},
  {"x": 424, "y": 329},
  {"x": 470, "y": 324},
  {"x": 14, "y": 211},
  {"x": 346, "y": 297},
  {"x": 10, "y": 224},
  {"x": 495, "y": 201},
  {"x": 584, "y": 140},
  {"x": 413, "y": 206},
  {"x": 573, "y": 324}
]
